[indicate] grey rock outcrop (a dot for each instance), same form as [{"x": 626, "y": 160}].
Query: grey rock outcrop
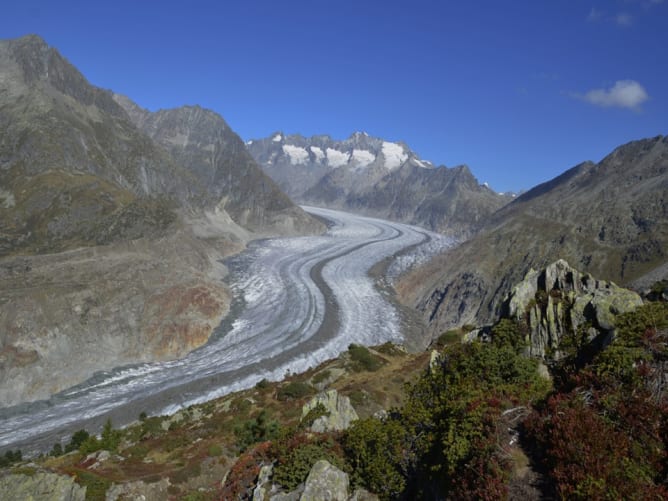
[
  {"x": 325, "y": 482},
  {"x": 260, "y": 493},
  {"x": 340, "y": 412},
  {"x": 559, "y": 300},
  {"x": 41, "y": 486}
]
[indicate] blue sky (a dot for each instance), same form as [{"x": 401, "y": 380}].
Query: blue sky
[{"x": 519, "y": 91}]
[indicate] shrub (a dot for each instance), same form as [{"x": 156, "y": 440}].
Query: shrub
[
  {"x": 56, "y": 450},
  {"x": 243, "y": 474},
  {"x": 377, "y": 454},
  {"x": 78, "y": 438},
  {"x": 262, "y": 384},
  {"x": 362, "y": 359},
  {"x": 10, "y": 458},
  {"x": 296, "y": 453},
  {"x": 258, "y": 429},
  {"x": 294, "y": 390}
]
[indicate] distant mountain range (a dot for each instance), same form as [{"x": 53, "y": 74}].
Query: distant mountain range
[
  {"x": 369, "y": 175},
  {"x": 608, "y": 219}
]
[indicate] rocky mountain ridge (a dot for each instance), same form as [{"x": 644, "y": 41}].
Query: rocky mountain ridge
[
  {"x": 607, "y": 219},
  {"x": 375, "y": 177},
  {"x": 113, "y": 223}
]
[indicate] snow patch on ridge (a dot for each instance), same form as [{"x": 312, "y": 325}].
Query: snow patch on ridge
[
  {"x": 319, "y": 154},
  {"x": 420, "y": 163},
  {"x": 277, "y": 138},
  {"x": 336, "y": 158},
  {"x": 363, "y": 157},
  {"x": 297, "y": 154},
  {"x": 394, "y": 155}
]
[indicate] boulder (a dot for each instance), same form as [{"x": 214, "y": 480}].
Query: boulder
[
  {"x": 325, "y": 482},
  {"x": 41, "y": 485},
  {"x": 263, "y": 483},
  {"x": 560, "y": 299},
  {"x": 340, "y": 411}
]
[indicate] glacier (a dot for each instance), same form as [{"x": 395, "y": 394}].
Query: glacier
[{"x": 298, "y": 302}]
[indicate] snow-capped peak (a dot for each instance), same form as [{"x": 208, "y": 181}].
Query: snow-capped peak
[
  {"x": 394, "y": 155},
  {"x": 278, "y": 138}
]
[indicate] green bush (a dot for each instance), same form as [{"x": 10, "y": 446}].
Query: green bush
[
  {"x": 258, "y": 429},
  {"x": 10, "y": 458},
  {"x": 376, "y": 451},
  {"x": 510, "y": 333},
  {"x": 293, "y": 468},
  {"x": 362, "y": 359},
  {"x": 56, "y": 450},
  {"x": 262, "y": 384},
  {"x": 78, "y": 438},
  {"x": 294, "y": 391}
]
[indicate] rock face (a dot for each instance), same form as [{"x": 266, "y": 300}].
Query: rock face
[
  {"x": 560, "y": 300},
  {"x": 99, "y": 307},
  {"x": 42, "y": 486},
  {"x": 113, "y": 221},
  {"x": 369, "y": 175},
  {"x": 340, "y": 412},
  {"x": 325, "y": 482},
  {"x": 217, "y": 158},
  {"x": 608, "y": 219}
]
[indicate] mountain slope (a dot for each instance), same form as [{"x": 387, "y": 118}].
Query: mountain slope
[
  {"x": 111, "y": 237},
  {"x": 608, "y": 219},
  {"x": 217, "y": 158},
  {"x": 375, "y": 177}
]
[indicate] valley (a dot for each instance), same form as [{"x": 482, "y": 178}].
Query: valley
[{"x": 298, "y": 302}]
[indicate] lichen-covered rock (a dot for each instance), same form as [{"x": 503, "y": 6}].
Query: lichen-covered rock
[
  {"x": 560, "y": 299},
  {"x": 263, "y": 485},
  {"x": 41, "y": 486},
  {"x": 325, "y": 482},
  {"x": 340, "y": 411}
]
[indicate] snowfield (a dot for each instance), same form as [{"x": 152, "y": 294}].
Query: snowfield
[{"x": 299, "y": 301}]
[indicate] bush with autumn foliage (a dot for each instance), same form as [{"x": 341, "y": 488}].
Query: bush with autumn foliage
[{"x": 603, "y": 433}]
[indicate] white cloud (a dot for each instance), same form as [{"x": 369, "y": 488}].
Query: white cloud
[{"x": 624, "y": 94}]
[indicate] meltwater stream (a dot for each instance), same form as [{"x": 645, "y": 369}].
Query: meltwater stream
[{"x": 300, "y": 300}]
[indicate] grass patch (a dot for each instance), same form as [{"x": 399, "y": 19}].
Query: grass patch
[
  {"x": 96, "y": 486},
  {"x": 449, "y": 337}
]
